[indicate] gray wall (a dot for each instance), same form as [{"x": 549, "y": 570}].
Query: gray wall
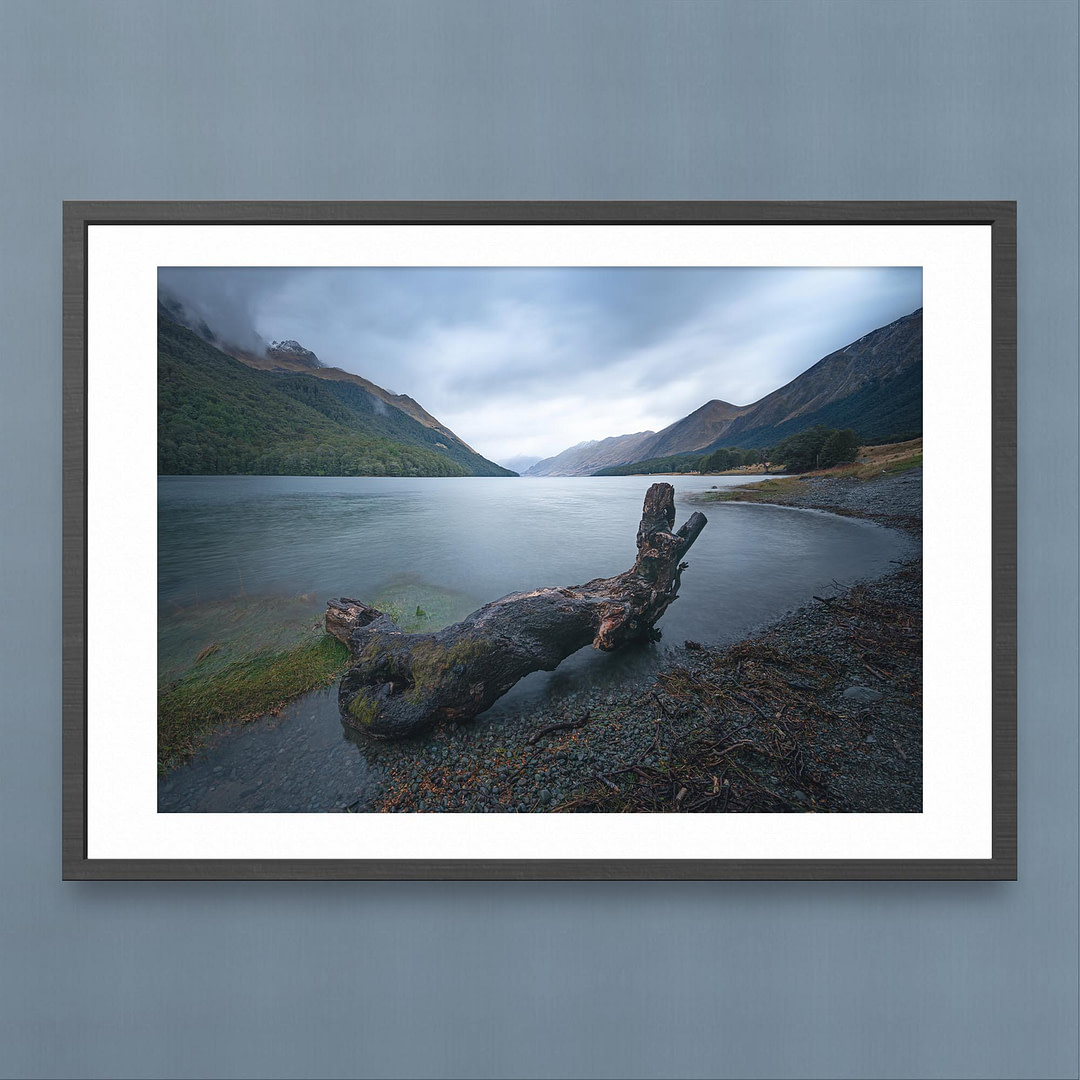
[{"x": 540, "y": 100}]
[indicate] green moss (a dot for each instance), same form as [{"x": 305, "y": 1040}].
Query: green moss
[
  {"x": 466, "y": 650},
  {"x": 431, "y": 662},
  {"x": 363, "y": 710},
  {"x": 190, "y": 707}
]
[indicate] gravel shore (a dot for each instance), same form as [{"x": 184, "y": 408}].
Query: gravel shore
[
  {"x": 889, "y": 499},
  {"x": 819, "y": 711}
]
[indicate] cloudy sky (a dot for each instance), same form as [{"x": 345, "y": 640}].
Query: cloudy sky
[{"x": 526, "y": 362}]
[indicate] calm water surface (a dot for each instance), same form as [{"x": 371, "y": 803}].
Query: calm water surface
[
  {"x": 476, "y": 539},
  {"x": 233, "y": 549}
]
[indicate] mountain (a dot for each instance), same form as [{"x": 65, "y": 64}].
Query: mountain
[
  {"x": 702, "y": 427},
  {"x": 291, "y": 356},
  {"x": 873, "y": 385},
  {"x": 588, "y": 457},
  {"x": 285, "y": 416},
  {"x": 520, "y": 462},
  {"x": 692, "y": 432},
  {"x": 283, "y": 361},
  {"x": 292, "y": 352}
]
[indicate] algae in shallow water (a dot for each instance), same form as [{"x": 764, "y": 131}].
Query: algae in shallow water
[
  {"x": 191, "y": 706},
  {"x": 211, "y": 636},
  {"x": 241, "y": 658},
  {"x": 419, "y": 608}
]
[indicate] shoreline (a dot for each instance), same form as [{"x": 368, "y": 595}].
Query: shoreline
[
  {"x": 893, "y": 500},
  {"x": 763, "y": 720},
  {"x": 820, "y": 710}
]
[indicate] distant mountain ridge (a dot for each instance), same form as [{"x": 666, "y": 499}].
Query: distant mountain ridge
[
  {"x": 698, "y": 429},
  {"x": 219, "y": 414},
  {"x": 520, "y": 462},
  {"x": 873, "y": 385},
  {"x": 588, "y": 457}
]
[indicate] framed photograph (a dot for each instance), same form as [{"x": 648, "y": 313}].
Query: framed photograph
[{"x": 539, "y": 540}]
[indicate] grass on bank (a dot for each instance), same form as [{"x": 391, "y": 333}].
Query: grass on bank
[
  {"x": 191, "y": 706},
  {"x": 871, "y": 463},
  {"x": 875, "y": 461}
]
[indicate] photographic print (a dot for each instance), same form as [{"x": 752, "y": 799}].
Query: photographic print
[
  {"x": 419, "y": 539},
  {"x": 539, "y": 540}
]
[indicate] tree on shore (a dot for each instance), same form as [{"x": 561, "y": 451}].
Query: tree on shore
[
  {"x": 730, "y": 457},
  {"x": 839, "y": 448},
  {"x": 818, "y": 447}
]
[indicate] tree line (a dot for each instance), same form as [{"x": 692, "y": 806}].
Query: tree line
[{"x": 818, "y": 447}]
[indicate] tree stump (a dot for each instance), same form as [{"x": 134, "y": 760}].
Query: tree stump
[{"x": 401, "y": 683}]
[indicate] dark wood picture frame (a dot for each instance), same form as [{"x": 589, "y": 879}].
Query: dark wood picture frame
[{"x": 1000, "y": 216}]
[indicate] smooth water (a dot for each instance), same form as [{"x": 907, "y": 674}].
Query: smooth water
[{"x": 464, "y": 542}]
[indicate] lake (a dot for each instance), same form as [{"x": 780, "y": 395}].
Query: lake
[
  {"x": 252, "y": 561},
  {"x": 448, "y": 545}
]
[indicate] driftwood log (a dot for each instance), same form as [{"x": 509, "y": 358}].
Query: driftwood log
[{"x": 401, "y": 683}]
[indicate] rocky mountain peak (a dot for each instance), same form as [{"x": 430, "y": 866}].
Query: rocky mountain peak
[{"x": 294, "y": 352}]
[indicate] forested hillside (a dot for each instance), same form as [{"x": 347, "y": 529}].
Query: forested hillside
[{"x": 217, "y": 415}]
